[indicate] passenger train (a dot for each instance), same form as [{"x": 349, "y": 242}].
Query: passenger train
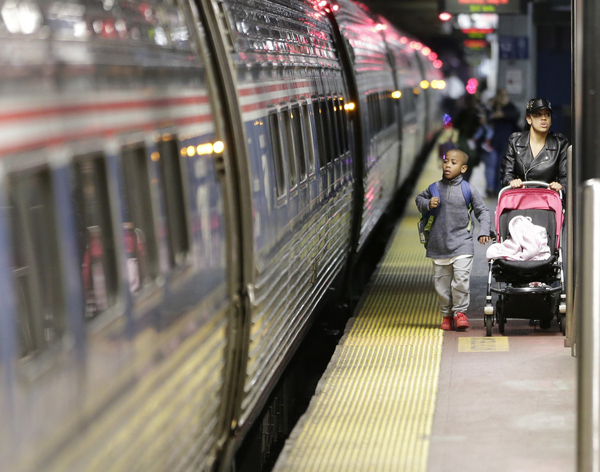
[{"x": 181, "y": 183}]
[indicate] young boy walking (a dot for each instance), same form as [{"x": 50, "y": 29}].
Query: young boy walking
[{"x": 450, "y": 244}]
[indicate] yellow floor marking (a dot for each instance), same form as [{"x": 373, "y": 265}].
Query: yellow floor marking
[
  {"x": 373, "y": 408},
  {"x": 482, "y": 344}
]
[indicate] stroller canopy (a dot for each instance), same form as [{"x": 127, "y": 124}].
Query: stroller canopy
[{"x": 531, "y": 199}]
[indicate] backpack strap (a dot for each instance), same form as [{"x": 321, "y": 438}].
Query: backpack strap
[
  {"x": 466, "y": 191},
  {"x": 435, "y": 192},
  {"x": 431, "y": 214}
]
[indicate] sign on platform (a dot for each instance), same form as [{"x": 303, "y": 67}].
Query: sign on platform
[
  {"x": 514, "y": 81},
  {"x": 513, "y": 47},
  {"x": 491, "y": 344}
]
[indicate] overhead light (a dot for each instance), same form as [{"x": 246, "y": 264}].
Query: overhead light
[{"x": 444, "y": 16}]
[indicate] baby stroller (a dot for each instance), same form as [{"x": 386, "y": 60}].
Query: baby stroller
[{"x": 532, "y": 290}]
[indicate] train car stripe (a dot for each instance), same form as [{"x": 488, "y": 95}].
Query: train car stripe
[
  {"x": 99, "y": 131},
  {"x": 101, "y": 107}
]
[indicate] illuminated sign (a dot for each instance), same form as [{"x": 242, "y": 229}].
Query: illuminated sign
[
  {"x": 475, "y": 43},
  {"x": 483, "y": 21},
  {"x": 479, "y": 6}
]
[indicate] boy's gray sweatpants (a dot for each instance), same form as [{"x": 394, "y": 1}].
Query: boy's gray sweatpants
[{"x": 452, "y": 285}]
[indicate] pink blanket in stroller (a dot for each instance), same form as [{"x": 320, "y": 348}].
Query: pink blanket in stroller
[{"x": 528, "y": 242}]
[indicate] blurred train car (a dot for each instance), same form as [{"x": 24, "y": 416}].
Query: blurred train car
[{"x": 181, "y": 183}]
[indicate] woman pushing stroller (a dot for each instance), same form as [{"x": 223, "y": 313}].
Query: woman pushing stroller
[
  {"x": 533, "y": 287},
  {"x": 536, "y": 154}
]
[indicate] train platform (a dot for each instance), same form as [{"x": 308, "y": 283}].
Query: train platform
[{"x": 399, "y": 394}]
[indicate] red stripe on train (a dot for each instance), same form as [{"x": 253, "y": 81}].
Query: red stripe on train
[
  {"x": 103, "y": 107},
  {"x": 264, "y": 104},
  {"x": 261, "y": 89},
  {"x": 104, "y": 132}
]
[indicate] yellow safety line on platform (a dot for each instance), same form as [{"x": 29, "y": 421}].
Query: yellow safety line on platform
[{"x": 373, "y": 409}]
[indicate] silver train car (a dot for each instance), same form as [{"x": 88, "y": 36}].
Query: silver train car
[{"x": 181, "y": 182}]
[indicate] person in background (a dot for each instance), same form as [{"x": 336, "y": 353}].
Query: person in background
[
  {"x": 450, "y": 245},
  {"x": 503, "y": 118},
  {"x": 467, "y": 124},
  {"x": 452, "y": 93},
  {"x": 487, "y": 153}
]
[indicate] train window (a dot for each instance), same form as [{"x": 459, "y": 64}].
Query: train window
[
  {"x": 342, "y": 125},
  {"x": 35, "y": 258},
  {"x": 377, "y": 110},
  {"x": 299, "y": 141},
  {"x": 372, "y": 121},
  {"x": 319, "y": 118},
  {"x": 383, "y": 109},
  {"x": 172, "y": 186},
  {"x": 335, "y": 134},
  {"x": 391, "y": 106},
  {"x": 288, "y": 141},
  {"x": 277, "y": 148},
  {"x": 95, "y": 235},
  {"x": 309, "y": 139},
  {"x": 140, "y": 237},
  {"x": 327, "y": 130}
]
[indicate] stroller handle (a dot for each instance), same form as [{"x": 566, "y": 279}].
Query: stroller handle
[{"x": 539, "y": 183}]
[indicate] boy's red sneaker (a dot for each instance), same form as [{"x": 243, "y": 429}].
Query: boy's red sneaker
[
  {"x": 447, "y": 323},
  {"x": 461, "y": 320}
]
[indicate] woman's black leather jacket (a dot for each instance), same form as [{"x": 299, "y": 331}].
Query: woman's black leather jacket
[{"x": 550, "y": 165}]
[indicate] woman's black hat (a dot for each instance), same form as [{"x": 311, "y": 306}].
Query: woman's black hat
[{"x": 536, "y": 104}]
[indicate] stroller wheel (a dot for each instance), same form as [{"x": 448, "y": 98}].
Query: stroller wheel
[
  {"x": 545, "y": 324},
  {"x": 488, "y": 325},
  {"x": 562, "y": 319}
]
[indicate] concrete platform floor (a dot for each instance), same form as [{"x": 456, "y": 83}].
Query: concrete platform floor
[{"x": 504, "y": 411}]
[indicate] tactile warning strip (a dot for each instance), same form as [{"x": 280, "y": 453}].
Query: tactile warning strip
[{"x": 374, "y": 406}]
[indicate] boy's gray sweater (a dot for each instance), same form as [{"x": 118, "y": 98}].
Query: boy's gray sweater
[{"x": 449, "y": 236}]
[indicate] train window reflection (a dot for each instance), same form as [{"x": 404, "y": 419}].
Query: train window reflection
[
  {"x": 309, "y": 138},
  {"x": 35, "y": 258},
  {"x": 95, "y": 235},
  {"x": 277, "y": 149},
  {"x": 319, "y": 118},
  {"x": 140, "y": 237},
  {"x": 288, "y": 140},
  {"x": 171, "y": 181},
  {"x": 299, "y": 141},
  {"x": 334, "y": 128},
  {"x": 344, "y": 147}
]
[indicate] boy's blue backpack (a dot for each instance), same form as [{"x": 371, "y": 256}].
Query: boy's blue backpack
[{"x": 427, "y": 218}]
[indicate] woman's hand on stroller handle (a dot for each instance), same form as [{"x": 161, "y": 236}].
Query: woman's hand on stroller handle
[
  {"x": 516, "y": 183},
  {"x": 484, "y": 239},
  {"x": 555, "y": 186}
]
